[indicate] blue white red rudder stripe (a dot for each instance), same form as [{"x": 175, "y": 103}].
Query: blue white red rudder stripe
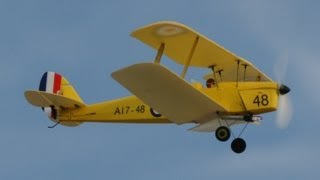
[{"x": 51, "y": 83}]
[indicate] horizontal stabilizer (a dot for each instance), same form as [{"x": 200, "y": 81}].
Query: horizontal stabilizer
[
  {"x": 44, "y": 99},
  {"x": 167, "y": 93}
]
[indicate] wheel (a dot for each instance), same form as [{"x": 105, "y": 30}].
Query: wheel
[
  {"x": 238, "y": 145},
  {"x": 223, "y": 133}
]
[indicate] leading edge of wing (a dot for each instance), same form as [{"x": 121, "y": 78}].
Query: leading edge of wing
[{"x": 167, "y": 93}]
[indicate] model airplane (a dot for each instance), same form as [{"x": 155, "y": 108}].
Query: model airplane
[{"x": 236, "y": 92}]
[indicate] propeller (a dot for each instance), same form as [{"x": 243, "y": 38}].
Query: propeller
[
  {"x": 284, "y": 113},
  {"x": 285, "y": 109}
]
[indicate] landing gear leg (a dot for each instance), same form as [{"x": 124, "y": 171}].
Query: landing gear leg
[
  {"x": 223, "y": 133},
  {"x": 239, "y": 145}
]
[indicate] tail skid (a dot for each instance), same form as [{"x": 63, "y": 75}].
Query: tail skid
[{"x": 53, "y": 126}]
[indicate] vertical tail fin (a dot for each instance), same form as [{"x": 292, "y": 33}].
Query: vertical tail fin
[{"x": 54, "y": 83}]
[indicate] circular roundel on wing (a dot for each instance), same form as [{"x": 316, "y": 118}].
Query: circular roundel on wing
[
  {"x": 155, "y": 113},
  {"x": 169, "y": 30}
]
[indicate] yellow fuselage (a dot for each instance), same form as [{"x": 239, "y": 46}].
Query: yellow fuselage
[{"x": 238, "y": 98}]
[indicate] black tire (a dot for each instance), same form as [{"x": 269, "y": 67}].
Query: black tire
[
  {"x": 223, "y": 133},
  {"x": 238, "y": 145}
]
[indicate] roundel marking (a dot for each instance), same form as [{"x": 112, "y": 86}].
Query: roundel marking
[
  {"x": 154, "y": 113},
  {"x": 169, "y": 30}
]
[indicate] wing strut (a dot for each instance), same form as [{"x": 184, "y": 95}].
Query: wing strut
[
  {"x": 220, "y": 75},
  {"x": 238, "y": 64},
  {"x": 214, "y": 74},
  {"x": 186, "y": 66},
  {"x": 244, "y": 73},
  {"x": 159, "y": 54}
]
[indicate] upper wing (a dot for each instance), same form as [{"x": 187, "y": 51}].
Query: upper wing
[
  {"x": 178, "y": 41},
  {"x": 44, "y": 99},
  {"x": 168, "y": 93}
]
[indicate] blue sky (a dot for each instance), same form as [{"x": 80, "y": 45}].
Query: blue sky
[{"x": 87, "y": 40}]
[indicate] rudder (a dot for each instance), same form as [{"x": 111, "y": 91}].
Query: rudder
[{"x": 52, "y": 82}]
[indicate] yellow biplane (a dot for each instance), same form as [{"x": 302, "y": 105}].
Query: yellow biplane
[{"x": 236, "y": 91}]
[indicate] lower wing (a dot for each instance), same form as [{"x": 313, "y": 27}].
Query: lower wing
[{"x": 167, "y": 93}]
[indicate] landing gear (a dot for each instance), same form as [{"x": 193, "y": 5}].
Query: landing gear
[
  {"x": 238, "y": 145},
  {"x": 223, "y": 133}
]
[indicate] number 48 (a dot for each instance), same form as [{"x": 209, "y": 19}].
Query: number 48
[{"x": 262, "y": 99}]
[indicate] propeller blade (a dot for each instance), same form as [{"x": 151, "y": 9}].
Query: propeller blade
[
  {"x": 284, "y": 113},
  {"x": 285, "y": 110}
]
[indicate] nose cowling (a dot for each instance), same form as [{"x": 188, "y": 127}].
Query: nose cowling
[{"x": 284, "y": 89}]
